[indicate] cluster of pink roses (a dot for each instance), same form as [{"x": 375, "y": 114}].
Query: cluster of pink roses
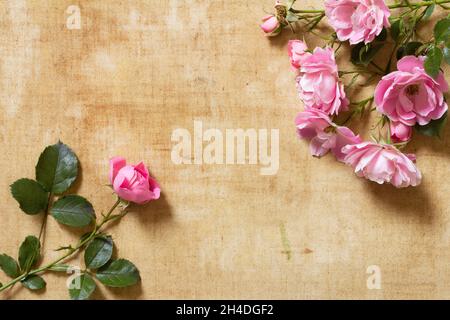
[
  {"x": 323, "y": 96},
  {"x": 407, "y": 97},
  {"x": 353, "y": 20}
]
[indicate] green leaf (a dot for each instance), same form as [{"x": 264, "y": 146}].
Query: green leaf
[
  {"x": 118, "y": 273},
  {"x": 396, "y": 29},
  {"x": 382, "y": 36},
  {"x": 73, "y": 211},
  {"x": 429, "y": 11},
  {"x": 29, "y": 253},
  {"x": 57, "y": 168},
  {"x": 30, "y": 195},
  {"x": 355, "y": 53},
  {"x": 442, "y": 30},
  {"x": 291, "y": 17},
  {"x": 434, "y": 128},
  {"x": 9, "y": 266},
  {"x": 363, "y": 54},
  {"x": 82, "y": 287},
  {"x": 98, "y": 252},
  {"x": 447, "y": 54},
  {"x": 433, "y": 61},
  {"x": 34, "y": 282},
  {"x": 290, "y": 3},
  {"x": 409, "y": 49}
]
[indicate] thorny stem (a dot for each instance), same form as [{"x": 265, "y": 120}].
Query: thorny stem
[
  {"x": 307, "y": 11},
  {"x": 418, "y": 4},
  {"x": 377, "y": 67},
  {"x": 392, "y": 6},
  {"x": 359, "y": 72},
  {"x": 365, "y": 101},
  {"x": 70, "y": 252},
  {"x": 362, "y": 104}
]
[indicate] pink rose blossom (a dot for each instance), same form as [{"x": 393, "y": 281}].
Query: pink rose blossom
[
  {"x": 400, "y": 132},
  {"x": 271, "y": 26},
  {"x": 357, "y": 20},
  {"x": 325, "y": 136},
  {"x": 318, "y": 84},
  {"x": 410, "y": 95},
  {"x": 132, "y": 183},
  {"x": 296, "y": 50},
  {"x": 382, "y": 163}
]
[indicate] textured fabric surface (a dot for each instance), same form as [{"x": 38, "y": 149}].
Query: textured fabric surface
[{"x": 136, "y": 71}]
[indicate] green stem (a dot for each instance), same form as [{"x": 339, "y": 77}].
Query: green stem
[
  {"x": 418, "y": 4},
  {"x": 68, "y": 254},
  {"x": 306, "y": 11},
  {"x": 377, "y": 67},
  {"x": 348, "y": 118},
  {"x": 361, "y": 106},
  {"x": 44, "y": 221},
  {"x": 392, "y": 6},
  {"x": 342, "y": 73},
  {"x": 365, "y": 101}
]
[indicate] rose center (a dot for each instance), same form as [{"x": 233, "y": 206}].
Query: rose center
[
  {"x": 330, "y": 129},
  {"x": 412, "y": 90}
]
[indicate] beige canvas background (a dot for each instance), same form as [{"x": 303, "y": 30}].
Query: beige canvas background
[{"x": 136, "y": 71}]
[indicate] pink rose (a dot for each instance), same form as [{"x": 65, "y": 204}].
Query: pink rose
[
  {"x": 296, "y": 50},
  {"x": 318, "y": 84},
  {"x": 382, "y": 163},
  {"x": 400, "y": 132},
  {"x": 271, "y": 26},
  {"x": 357, "y": 20},
  {"x": 325, "y": 136},
  {"x": 132, "y": 183},
  {"x": 410, "y": 95}
]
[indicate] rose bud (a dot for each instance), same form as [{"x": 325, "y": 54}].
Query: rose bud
[
  {"x": 400, "y": 132},
  {"x": 133, "y": 182},
  {"x": 271, "y": 26}
]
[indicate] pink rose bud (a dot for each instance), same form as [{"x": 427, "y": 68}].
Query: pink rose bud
[
  {"x": 400, "y": 132},
  {"x": 271, "y": 26},
  {"x": 410, "y": 95},
  {"x": 132, "y": 183},
  {"x": 357, "y": 20},
  {"x": 382, "y": 164},
  {"x": 296, "y": 50}
]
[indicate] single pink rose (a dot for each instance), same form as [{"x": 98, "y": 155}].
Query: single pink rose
[
  {"x": 382, "y": 163},
  {"x": 316, "y": 126},
  {"x": 318, "y": 84},
  {"x": 132, "y": 183},
  {"x": 357, "y": 20},
  {"x": 410, "y": 95},
  {"x": 296, "y": 50},
  {"x": 400, "y": 132},
  {"x": 271, "y": 26}
]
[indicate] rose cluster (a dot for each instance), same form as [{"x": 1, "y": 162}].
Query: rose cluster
[{"x": 412, "y": 96}]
